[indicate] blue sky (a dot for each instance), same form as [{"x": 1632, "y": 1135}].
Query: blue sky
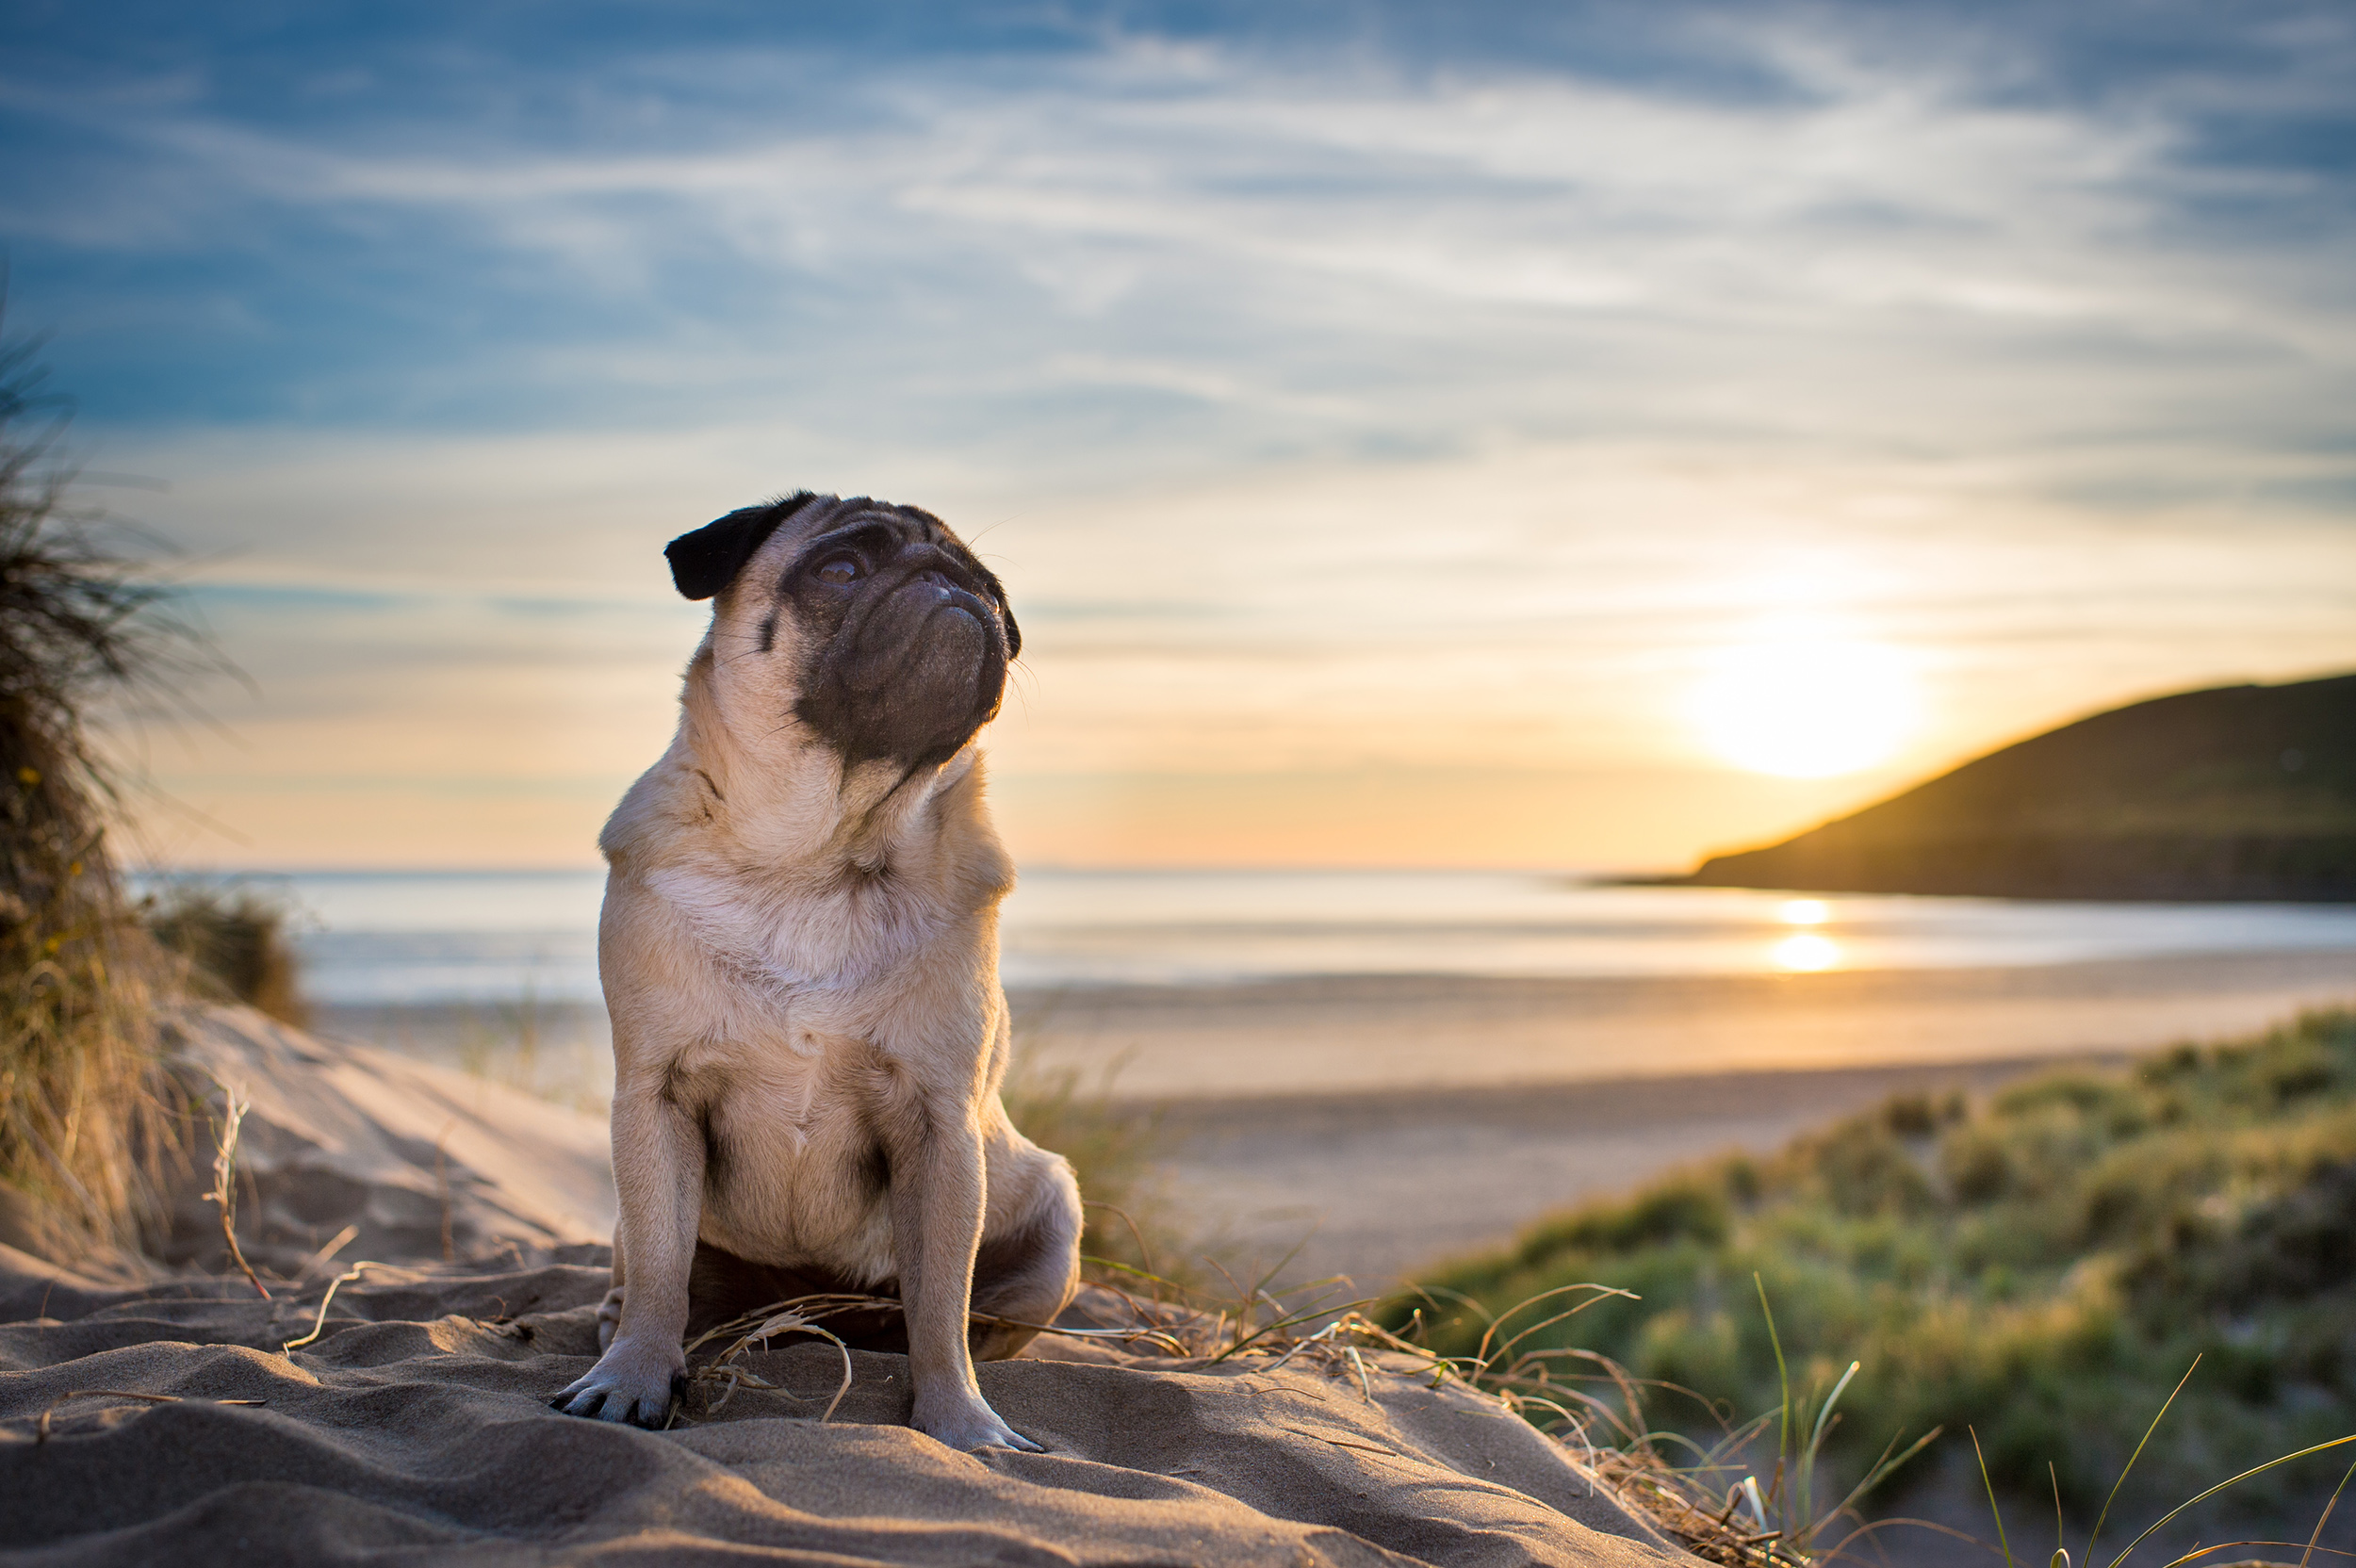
[{"x": 1426, "y": 408}]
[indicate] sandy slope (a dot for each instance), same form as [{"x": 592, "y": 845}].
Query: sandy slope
[
  {"x": 338, "y": 1133},
  {"x": 416, "y": 1427}
]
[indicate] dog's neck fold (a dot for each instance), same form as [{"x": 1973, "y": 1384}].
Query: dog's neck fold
[{"x": 774, "y": 798}]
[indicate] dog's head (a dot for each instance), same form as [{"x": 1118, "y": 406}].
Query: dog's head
[{"x": 869, "y": 623}]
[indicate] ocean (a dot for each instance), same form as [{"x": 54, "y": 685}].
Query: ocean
[{"x": 375, "y": 938}]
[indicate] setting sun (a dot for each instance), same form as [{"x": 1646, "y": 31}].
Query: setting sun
[{"x": 1808, "y": 708}]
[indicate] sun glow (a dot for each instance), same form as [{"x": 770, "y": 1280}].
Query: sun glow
[
  {"x": 1807, "y": 952},
  {"x": 1806, "y": 708}
]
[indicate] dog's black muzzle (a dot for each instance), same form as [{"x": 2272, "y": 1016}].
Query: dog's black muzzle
[{"x": 916, "y": 666}]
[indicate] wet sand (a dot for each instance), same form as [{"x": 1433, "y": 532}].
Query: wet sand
[{"x": 1357, "y": 1034}]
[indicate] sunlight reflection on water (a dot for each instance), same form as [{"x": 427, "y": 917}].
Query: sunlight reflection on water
[{"x": 1807, "y": 954}]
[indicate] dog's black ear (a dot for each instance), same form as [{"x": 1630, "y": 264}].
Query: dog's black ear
[{"x": 707, "y": 560}]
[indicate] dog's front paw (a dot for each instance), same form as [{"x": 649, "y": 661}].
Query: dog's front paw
[
  {"x": 968, "y": 1424},
  {"x": 633, "y": 1381}
]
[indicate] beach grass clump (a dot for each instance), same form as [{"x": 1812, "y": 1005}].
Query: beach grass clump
[
  {"x": 2041, "y": 1269},
  {"x": 80, "y": 1125},
  {"x": 237, "y": 943}
]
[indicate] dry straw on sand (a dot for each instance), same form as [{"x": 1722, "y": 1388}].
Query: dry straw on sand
[{"x": 1152, "y": 1320}]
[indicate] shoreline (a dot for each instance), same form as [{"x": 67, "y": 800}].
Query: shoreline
[
  {"x": 1315, "y": 1037},
  {"x": 1342, "y": 1035},
  {"x": 1440, "y": 1032}
]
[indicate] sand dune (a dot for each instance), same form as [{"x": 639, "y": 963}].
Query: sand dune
[
  {"x": 170, "y": 1423},
  {"x": 338, "y": 1134},
  {"x": 416, "y": 1429}
]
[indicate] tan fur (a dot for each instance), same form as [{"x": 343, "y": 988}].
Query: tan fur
[{"x": 801, "y": 963}]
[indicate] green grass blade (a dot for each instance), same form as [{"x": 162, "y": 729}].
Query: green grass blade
[
  {"x": 2257, "y": 1470},
  {"x": 2136, "y": 1455},
  {"x": 1783, "y": 1383},
  {"x": 2061, "y": 1530},
  {"x": 1815, "y": 1445},
  {"x": 1130, "y": 1268},
  {"x": 1817, "y": 1437},
  {"x": 1882, "y": 1468},
  {"x": 2327, "y": 1506},
  {"x": 2002, "y": 1544}
]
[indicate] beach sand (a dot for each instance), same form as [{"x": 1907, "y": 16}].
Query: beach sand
[
  {"x": 1378, "y": 1186},
  {"x": 187, "y": 1420},
  {"x": 168, "y": 1426}
]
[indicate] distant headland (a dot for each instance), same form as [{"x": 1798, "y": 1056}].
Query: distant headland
[{"x": 2231, "y": 793}]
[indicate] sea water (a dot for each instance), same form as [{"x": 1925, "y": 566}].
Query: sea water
[{"x": 490, "y": 937}]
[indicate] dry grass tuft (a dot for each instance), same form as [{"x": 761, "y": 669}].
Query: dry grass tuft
[
  {"x": 236, "y": 945},
  {"x": 225, "y": 1193},
  {"x": 1316, "y": 1327},
  {"x": 83, "y": 1128}
]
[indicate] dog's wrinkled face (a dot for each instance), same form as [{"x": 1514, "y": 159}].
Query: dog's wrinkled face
[{"x": 891, "y": 639}]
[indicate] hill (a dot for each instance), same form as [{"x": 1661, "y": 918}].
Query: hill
[{"x": 2234, "y": 792}]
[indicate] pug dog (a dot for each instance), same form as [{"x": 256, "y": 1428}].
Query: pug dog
[{"x": 799, "y": 951}]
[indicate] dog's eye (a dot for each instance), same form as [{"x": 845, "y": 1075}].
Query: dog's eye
[{"x": 841, "y": 572}]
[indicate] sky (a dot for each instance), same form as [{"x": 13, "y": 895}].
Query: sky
[{"x": 1574, "y": 435}]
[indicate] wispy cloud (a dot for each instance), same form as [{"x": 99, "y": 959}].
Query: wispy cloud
[
  {"x": 1547, "y": 250},
  {"x": 1430, "y": 395}
]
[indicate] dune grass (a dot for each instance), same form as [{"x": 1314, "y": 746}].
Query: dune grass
[
  {"x": 2039, "y": 1269},
  {"x": 236, "y": 944},
  {"x": 82, "y": 1125}
]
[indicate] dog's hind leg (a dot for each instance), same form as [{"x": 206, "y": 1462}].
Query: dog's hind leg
[
  {"x": 1027, "y": 1274},
  {"x": 610, "y": 1310}
]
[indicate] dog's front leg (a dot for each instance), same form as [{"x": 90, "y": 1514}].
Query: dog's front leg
[
  {"x": 658, "y": 1176},
  {"x": 936, "y": 1199}
]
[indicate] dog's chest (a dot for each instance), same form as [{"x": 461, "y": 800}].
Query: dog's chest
[
  {"x": 777, "y": 1093},
  {"x": 781, "y": 936},
  {"x": 793, "y": 1170}
]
